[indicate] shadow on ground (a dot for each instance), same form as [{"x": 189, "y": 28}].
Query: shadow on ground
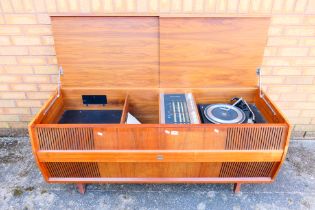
[{"x": 22, "y": 187}]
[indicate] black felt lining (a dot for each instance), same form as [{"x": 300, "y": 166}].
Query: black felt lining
[{"x": 91, "y": 117}]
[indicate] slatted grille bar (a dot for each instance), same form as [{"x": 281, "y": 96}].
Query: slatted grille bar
[
  {"x": 73, "y": 169},
  {"x": 260, "y": 138},
  {"x": 65, "y": 138},
  {"x": 247, "y": 169}
]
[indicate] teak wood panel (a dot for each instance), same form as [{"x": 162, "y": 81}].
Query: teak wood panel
[
  {"x": 107, "y": 51},
  {"x": 150, "y": 137},
  {"x": 159, "y": 138},
  {"x": 210, "y": 52},
  {"x": 130, "y": 51},
  {"x": 222, "y": 95},
  {"x": 239, "y": 167},
  {"x": 54, "y": 113},
  {"x": 125, "y": 111},
  {"x": 73, "y": 98},
  {"x": 142, "y": 103},
  {"x": 192, "y": 138},
  {"x": 126, "y": 138},
  {"x": 162, "y": 180},
  {"x": 160, "y": 155},
  {"x": 277, "y": 116},
  {"x": 138, "y": 170},
  {"x": 161, "y": 170}
]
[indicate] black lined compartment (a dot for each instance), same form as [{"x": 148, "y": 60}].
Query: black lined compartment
[{"x": 91, "y": 117}]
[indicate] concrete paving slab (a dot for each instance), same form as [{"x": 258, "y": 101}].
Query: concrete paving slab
[{"x": 22, "y": 187}]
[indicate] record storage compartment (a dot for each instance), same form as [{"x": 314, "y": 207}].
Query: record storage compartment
[{"x": 132, "y": 60}]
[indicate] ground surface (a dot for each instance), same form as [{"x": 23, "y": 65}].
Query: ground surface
[{"x": 22, "y": 187}]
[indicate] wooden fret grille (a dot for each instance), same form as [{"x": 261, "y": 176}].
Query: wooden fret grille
[
  {"x": 65, "y": 138},
  {"x": 260, "y": 138},
  {"x": 72, "y": 169},
  {"x": 247, "y": 169}
]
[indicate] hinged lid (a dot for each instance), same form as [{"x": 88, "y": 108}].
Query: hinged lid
[
  {"x": 211, "y": 52},
  {"x": 107, "y": 51},
  {"x": 166, "y": 52}
]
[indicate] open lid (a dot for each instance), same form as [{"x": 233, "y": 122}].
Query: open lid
[
  {"x": 166, "y": 52},
  {"x": 211, "y": 52},
  {"x": 107, "y": 52}
]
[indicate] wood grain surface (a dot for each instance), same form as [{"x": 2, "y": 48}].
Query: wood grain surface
[
  {"x": 167, "y": 138},
  {"x": 107, "y": 51},
  {"x": 152, "y": 155},
  {"x": 161, "y": 180},
  {"x": 210, "y": 52},
  {"x": 168, "y": 170},
  {"x": 142, "y": 103}
]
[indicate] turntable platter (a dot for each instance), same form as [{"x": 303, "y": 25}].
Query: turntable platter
[{"x": 224, "y": 114}]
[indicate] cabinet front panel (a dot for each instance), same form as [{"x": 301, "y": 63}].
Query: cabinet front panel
[
  {"x": 160, "y": 170},
  {"x": 162, "y": 138}
]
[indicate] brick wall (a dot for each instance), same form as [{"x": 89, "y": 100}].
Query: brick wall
[{"x": 28, "y": 65}]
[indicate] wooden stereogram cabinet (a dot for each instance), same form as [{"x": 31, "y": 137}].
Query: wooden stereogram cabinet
[{"x": 133, "y": 59}]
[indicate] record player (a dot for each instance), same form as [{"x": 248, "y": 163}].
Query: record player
[
  {"x": 157, "y": 70},
  {"x": 238, "y": 112}
]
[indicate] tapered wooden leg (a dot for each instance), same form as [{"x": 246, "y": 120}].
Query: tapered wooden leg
[
  {"x": 81, "y": 188},
  {"x": 237, "y": 187}
]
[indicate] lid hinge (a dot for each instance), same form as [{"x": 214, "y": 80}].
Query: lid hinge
[
  {"x": 261, "y": 94},
  {"x": 60, "y": 72}
]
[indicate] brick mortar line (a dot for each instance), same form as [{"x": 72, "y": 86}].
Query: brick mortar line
[
  {"x": 280, "y": 66},
  {"x": 280, "y": 56},
  {"x": 290, "y": 66},
  {"x": 286, "y": 24},
  {"x": 266, "y": 56},
  {"x": 303, "y": 24},
  {"x": 249, "y": 12},
  {"x": 33, "y": 74}
]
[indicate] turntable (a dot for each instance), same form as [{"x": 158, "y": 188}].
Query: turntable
[{"x": 238, "y": 112}]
